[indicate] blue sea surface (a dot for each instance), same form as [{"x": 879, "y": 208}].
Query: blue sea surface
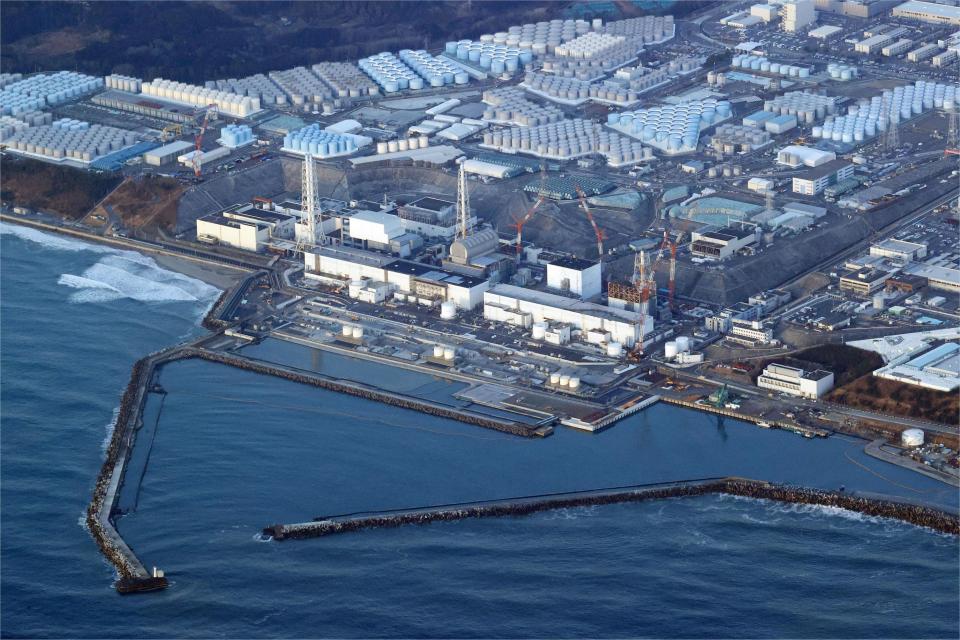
[{"x": 233, "y": 452}]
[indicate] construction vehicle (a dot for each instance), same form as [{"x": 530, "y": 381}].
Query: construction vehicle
[
  {"x": 720, "y": 397},
  {"x": 171, "y": 132}
]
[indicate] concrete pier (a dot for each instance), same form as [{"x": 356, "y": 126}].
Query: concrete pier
[{"x": 884, "y": 507}]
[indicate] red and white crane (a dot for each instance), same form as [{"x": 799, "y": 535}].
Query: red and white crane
[{"x": 198, "y": 140}]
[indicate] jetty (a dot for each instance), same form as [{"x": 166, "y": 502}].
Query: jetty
[{"x": 887, "y": 507}]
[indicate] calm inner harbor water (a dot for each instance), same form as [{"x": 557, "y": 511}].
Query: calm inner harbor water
[{"x": 234, "y": 451}]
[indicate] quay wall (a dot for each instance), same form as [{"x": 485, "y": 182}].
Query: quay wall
[
  {"x": 363, "y": 391},
  {"x": 914, "y": 514}
]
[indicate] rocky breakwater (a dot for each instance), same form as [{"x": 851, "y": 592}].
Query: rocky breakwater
[{"x": 924, "y": 516}]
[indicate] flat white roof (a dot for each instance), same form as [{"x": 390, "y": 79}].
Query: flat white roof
[
  {"x": 562, "y": 302},
  {"x": 930, "y": 8},
  {"x": 824, "y": 31}
]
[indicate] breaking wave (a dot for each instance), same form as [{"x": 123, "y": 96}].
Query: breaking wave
[{"x": 118, "y": 274}]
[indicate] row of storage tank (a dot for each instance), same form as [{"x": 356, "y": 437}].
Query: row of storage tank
[
  {"x": 727, "y": 171},
  {"x": 674, "y": 348},
  {"x": 55, "y": 88},
  {"x": 676, "y": 126},
  {"x": 496, "y": 58},
  {"x": 390, "y": 73},
  {"x": 9, "y": 125},
  {"x": 542, "y": 37},
  {"x": 735, "y": 138},
  {"x": 588, "y": 45},
  {"x": 228, "y": 103},
  {"x": 808, "y": 107},
  {"x": 508, "y": 104},
  {"x": 404, "y": 144},
  {"x": 578, "y": 90},
  {"x": 302, "y": 86},
  {"x": 648, "y": 29},
  {"x": 716, "y": 79},
  {"x": 594, "y": 67},
  {"x": 436, "y": 71},
  {"x": 74, "y": 139},
  {"x": 868, "y": 117},
  {"x": 842, "y": 72},
  {"x": 760, "y": 63},
  {"x": 345, "y": 79},
  {"x": 559, "y": 139},
  {"x": 563, "y": 380},
  {"x": 318, "y": 142},
  {"x": 441, "y": 352},
  {"x": 255, "y": 86},
  {"x": 236, "y": 135},
  {"x": 119, "y": 82}
]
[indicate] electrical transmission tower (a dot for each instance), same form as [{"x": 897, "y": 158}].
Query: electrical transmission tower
[
  {"x": 953, "y": 131},
  {"x": 310, "y": 232},
  {"x": 891, "y": 139}
]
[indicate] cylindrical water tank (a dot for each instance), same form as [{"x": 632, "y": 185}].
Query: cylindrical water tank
[
  {"x": 683, "y": 344},
  {"x": 539, "y": 330},
  {"x": 449, "y": 353},
  {"x": 437, "y": 351},
  {"x": 564, "y": 380},
  {"x": 358, "y": 332},
  {"x": 347, "y": 330},
  {"x": 554, "y": 378},
  {"x": 670, "y": 350},
  {"x": 912, "y": 437},
  {"x": 448, "y": 310}
]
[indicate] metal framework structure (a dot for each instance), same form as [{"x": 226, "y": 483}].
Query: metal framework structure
[
  {"x": 211, "y": 111},
  {"x": 519, "y": 223},
  {"x": 463, "y": 204},
  {"x": 310, "y": 207},
  {"x": 593, "y": 223}
]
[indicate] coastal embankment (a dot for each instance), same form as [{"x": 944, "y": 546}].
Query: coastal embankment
[{"x": 915, "y": 514}]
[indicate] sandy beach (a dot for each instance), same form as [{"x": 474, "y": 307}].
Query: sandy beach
[{"x": 220, "y": 276}]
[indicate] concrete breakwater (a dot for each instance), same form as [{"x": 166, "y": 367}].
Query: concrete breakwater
[
  {"x": 369, "y": 393},
  {"x": 914, "y": 514}
]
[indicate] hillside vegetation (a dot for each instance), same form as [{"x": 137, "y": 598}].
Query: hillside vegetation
[{"x": 66, "y": 191}]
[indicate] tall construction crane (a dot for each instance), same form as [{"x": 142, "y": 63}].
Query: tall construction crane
[
  {"x": 596, "y": 229},
  {"x": 672, "y": 245},
  {"x": 518, "y": 223},
  {"x": 541, "y": 198},
  {"x": 198, "y": 140}
]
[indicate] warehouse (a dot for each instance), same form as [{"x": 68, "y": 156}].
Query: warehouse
[
  {"x": 205, "y": 156},
  {"x": 796, "y": 155},
  {"x": 523, "y": 307},
  {"x": 864, "y": 282},
  {"x": 937, "y": 369},
  {"x": 938, "y": 277},
  {"x": 825, "y": 32},
  {"x": 166, "y": 153},
  {"x": 820, "y": 177},
  {"x": 722, "y": 243},
  {"x": 490, "y": 170},
  {"x": 151, "y": 107},
  {"x": 899, "y": 249},
  {"x": 928, "y": 12}
]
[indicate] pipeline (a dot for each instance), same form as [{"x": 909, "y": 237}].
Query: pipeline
[{"x": 914, "y": 514}]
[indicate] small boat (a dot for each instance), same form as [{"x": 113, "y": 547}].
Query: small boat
[{"x": 764, "y": 425}]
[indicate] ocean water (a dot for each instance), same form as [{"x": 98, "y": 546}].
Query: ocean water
[{"x": 233, "y": 451}]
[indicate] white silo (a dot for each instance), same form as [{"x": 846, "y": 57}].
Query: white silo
[
  {"x": 449, "y": 353},
  {"x": 438, "y": 351},
  {"x": 448, "y": 310},
  {"x": 912, "y": 437}
]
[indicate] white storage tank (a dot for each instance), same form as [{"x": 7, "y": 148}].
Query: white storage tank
[
  {"x": 912, "y": 437},
  {"x": 683, "y": 344},
  {"x": 437, "y": 351},
  {"x": 554, "y": 378},
  {"x": 358, "y": 332},
  {"x": 449, "y": 353},
  {"x": 574, "y": 382},
  {"x": 539, "y": 330},
  {"x": 670, "y": 350},
  {"x": 564, "y": 380},
  {"x": 614, "y": 349},
  {"x": 448, "y": 310},
  {"x": 347, "y": 330}
]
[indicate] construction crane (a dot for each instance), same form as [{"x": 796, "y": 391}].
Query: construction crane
[
  {"x": 518, "y": 223},
  {"x": 198, "y": 140},
  {"x": 596, "y": 229},
  {"x": 672, "y": 245}
]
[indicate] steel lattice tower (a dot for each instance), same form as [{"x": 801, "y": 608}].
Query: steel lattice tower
[
  {"x": 309, "y": 207},
  {"x": 463, "y": 204}
]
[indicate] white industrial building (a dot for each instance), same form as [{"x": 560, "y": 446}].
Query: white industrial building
[
  {"x": 938, "y": 276},
  {"x": 167, "y": 153},
  {"x": 523, "y": 307},
  {"x": 934, "y": 12},
  {"x": 937, "y": 369},
  {"x": 205, "y": 156},
  {"x": 575, "y": 275},
  {"x": 240, "y": 234},
  {"x": 899, "y": 250},
  {"x": 797, "y": 155},
  {"x": 822, "y": 176},
  {"x": 416, "y": 282},
  {"x": 721, "y": 243},
  {"x": 795, "y": 381},
  {"x": 797, "y": 14},
  {"x": 760, "y": 185}
]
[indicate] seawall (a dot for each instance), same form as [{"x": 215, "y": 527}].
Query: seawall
[{"x": 919, "y": 515}]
